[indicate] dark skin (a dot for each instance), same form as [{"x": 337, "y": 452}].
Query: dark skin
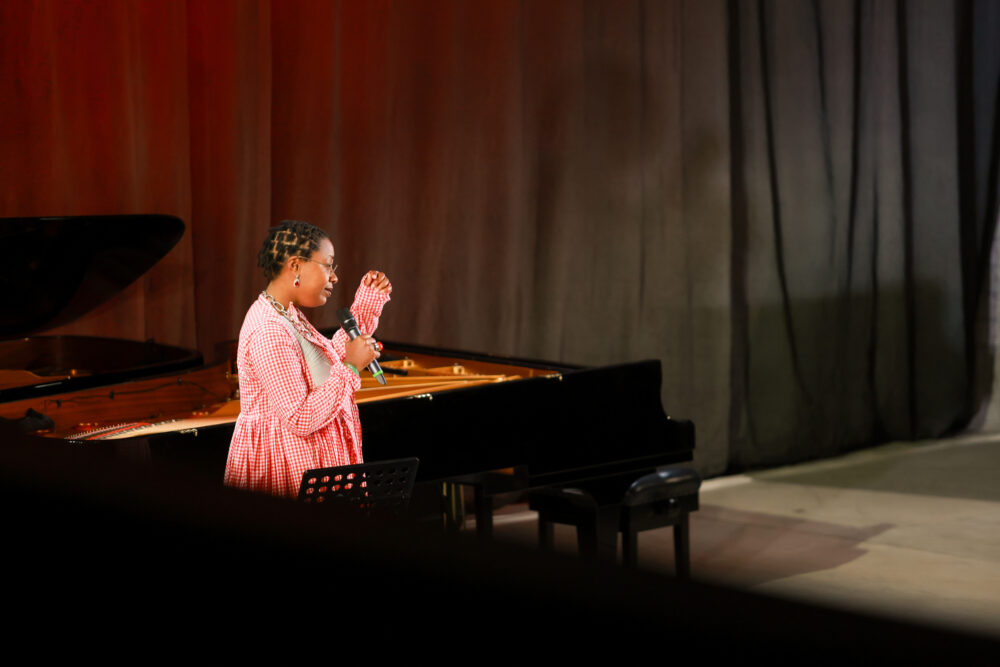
[{"x": 317, "y": 276}]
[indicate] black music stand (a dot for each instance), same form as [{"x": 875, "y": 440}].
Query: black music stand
[{"x": 382, "y": 487}]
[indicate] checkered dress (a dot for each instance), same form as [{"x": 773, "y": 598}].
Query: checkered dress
[{"x": 287, "y": 425}]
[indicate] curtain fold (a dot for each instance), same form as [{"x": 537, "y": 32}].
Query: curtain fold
[{"x": 862, "y": 248}]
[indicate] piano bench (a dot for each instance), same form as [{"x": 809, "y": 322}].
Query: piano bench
[{"x": 664, "y": 498}]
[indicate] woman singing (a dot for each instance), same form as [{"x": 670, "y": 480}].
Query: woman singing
[{"x": 297, "y": 386}]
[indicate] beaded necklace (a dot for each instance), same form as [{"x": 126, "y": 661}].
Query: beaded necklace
[{"x": 296, "y": 321}]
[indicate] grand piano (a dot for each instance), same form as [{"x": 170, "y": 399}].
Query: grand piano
[{"x": 460, "y": 413}]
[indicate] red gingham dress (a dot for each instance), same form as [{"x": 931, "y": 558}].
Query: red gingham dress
[{"x": 287, "y": 425}]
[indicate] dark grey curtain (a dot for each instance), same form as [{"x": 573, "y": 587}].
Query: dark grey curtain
[{"x": 864, "y": 200}]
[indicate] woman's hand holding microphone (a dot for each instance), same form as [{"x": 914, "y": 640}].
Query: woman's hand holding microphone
[{"x": 361, "y": 351}]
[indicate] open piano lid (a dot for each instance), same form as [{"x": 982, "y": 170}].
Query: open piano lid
[{"x": 57, "y": 269}]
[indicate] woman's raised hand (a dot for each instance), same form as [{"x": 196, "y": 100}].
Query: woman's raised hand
[{"x": 378, "y": 280}]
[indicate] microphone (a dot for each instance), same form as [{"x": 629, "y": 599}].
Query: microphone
[{"x": 350, "y": 326}]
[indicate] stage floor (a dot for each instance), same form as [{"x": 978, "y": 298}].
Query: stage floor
[{"x": 908, "y": 530}]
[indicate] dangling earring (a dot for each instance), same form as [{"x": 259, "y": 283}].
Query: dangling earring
[{"x": 296, "y": 283}]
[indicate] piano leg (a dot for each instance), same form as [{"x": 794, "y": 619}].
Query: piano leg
[
  {"x": 452, "y": 507},
  {"x": 485, "y": 486},
  {"x": 454, "y": 510}
]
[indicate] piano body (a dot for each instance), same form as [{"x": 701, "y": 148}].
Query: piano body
[{"x": 460, "y": 413}]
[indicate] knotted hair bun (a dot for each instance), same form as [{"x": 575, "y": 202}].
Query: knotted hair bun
[{"x": 291, "y": 238}]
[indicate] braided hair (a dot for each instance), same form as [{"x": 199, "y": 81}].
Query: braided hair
[{"x": 291, "y": 238}]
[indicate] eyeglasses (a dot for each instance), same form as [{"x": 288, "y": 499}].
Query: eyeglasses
[{"x": 330, "y": 268}]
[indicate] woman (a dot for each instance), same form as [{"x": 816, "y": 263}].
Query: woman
[{"x": 297, "y": 386}]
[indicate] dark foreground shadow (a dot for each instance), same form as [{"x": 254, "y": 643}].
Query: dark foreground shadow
[{"x": 94, "y": 546}]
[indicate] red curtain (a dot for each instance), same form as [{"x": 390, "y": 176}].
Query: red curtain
[{"x": 515, "y": 167}]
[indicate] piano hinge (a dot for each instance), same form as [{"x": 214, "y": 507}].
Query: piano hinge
[
  {"x": 192, "y": 431},
  {"x": 429, "y": 397}
]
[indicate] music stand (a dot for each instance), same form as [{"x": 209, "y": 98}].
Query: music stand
[{"x": 381, "y": 487}]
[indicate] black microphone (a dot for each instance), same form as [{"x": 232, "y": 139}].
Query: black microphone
[{"x": 350, "y": 326}]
